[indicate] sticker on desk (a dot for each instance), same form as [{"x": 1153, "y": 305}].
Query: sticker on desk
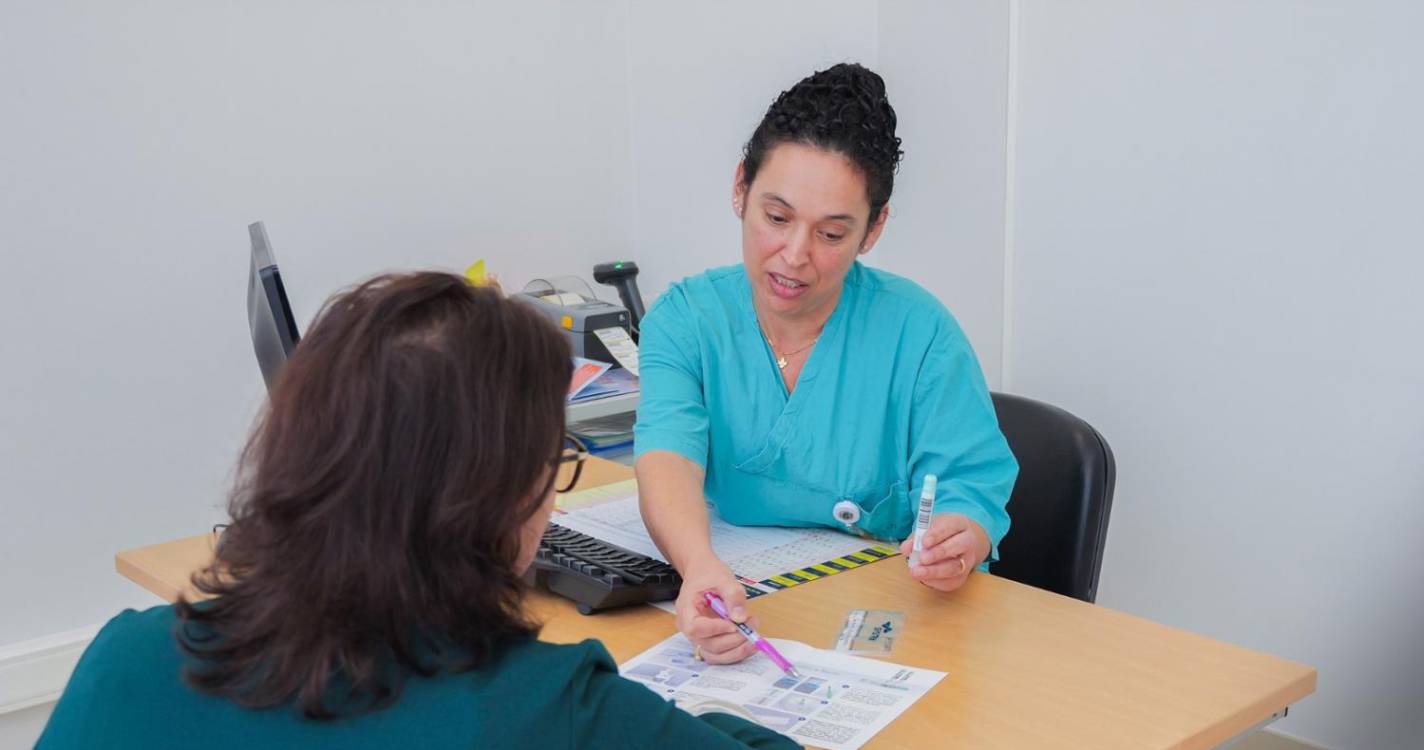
[{"x": 870, "y": 632}]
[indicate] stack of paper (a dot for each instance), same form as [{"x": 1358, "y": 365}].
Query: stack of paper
[
  {"x": 585, "y": 372},
  {"x": 606, "y": 383},
  {"x": 602, "y": 434}
]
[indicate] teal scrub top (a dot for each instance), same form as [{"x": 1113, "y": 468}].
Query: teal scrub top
[
  {"x": 891, "y": 392},
  {"x": 127, "y": 692}
]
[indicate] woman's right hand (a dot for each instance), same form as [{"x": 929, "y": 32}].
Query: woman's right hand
[{"x": 720, "y": 641}]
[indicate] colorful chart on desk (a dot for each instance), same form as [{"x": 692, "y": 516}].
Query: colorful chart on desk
[{"x": 764, "y": 559}]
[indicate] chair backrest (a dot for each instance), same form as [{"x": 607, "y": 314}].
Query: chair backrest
[{"x": 1061, "y": 501}]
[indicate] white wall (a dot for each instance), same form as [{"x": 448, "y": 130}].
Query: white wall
[
  {"x": 139, "y": 139},
  {"x": 19, "y": 730},
  {"x": 1217, "y": 263},
  {"x": 946, "y": 66},
  {"x": 702, "y": 76}
]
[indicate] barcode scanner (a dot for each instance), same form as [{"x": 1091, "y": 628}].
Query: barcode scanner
[{"x": 623, "y": 276}]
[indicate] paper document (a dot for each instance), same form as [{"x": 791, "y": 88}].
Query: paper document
[
  {"x": 609, "y": 383},
  {"x": 595, "y": 495},
  {"x": 585, "y": 372},
  {"x": 567, "y": 299},
  {"x": 621, "y": 346},
  {"x": 839, "y": 702},
  {"x": 765, "y": 558}
]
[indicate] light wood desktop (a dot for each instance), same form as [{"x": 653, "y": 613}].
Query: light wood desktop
[{"x": 1027, "y": 668}]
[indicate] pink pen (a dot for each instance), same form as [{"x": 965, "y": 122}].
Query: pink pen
[{"x": 715, "y": 602}]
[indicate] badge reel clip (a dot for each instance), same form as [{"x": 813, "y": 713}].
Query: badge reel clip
[{"x": 848, "y": 513}]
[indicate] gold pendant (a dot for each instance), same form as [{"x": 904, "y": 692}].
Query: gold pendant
[{"x": 781, "y": 363}]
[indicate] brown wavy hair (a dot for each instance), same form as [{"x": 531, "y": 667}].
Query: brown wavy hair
[{"x": 378, "y": 506}]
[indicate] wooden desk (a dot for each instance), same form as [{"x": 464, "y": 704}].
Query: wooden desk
[{"x": 1027, "y": 669}]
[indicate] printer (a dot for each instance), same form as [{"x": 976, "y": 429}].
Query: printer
[{"x": 570, "y": 303}]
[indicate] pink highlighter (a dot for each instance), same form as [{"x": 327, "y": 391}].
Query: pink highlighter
[{"x": 715, "y": 602}]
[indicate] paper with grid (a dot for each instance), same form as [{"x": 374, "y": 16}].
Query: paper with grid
[{"x": 766, "y": 558}]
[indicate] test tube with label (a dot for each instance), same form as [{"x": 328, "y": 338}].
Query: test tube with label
[{"x": 922, "y": 518}]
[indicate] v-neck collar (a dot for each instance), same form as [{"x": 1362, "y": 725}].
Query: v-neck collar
[{"x": 812, "y": 368}]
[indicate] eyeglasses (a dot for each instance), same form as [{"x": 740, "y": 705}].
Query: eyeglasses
[{"x": 570, "y": 464}]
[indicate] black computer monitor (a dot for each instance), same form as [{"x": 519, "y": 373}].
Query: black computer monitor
[{"x": 269, "y": 316}]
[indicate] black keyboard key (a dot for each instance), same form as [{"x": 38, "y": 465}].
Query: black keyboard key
[{"x": 597, "y": 575}]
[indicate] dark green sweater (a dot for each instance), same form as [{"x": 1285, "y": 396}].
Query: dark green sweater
[{"x": 127, "y": 692}]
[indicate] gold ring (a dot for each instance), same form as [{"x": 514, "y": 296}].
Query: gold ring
[
  {"x": 697, "y": 653},
  {"x": 962, "y": 566}
]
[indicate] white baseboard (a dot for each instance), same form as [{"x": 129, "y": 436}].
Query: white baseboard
[
  {"x": 1292, "y": 742},
  {"x": 35, "y": 672}
]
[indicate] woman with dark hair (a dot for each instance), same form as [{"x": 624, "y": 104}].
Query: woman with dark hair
[
  {"x": 368, "y": 590},
  {"x": 801, "y": 388}
]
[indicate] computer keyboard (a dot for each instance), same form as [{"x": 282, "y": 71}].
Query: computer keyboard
[{"x": 598, "y": 575}]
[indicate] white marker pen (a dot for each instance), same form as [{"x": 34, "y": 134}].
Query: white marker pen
[{"x": 922, "y": 519}]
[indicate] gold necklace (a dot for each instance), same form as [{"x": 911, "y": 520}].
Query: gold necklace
[{"x": 781, "y": 358}]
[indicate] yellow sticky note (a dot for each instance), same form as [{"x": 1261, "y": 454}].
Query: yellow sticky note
[{"x": 476, "y": 273}]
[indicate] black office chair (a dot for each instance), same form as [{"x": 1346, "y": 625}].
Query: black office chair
[{"x": 1060, "y": 504}]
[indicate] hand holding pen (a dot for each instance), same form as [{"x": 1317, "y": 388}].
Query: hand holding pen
[
  {"x": 762, "y": 644},
  {"x": 716, "y": 640}
]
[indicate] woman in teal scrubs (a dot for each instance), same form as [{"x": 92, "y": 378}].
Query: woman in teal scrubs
[{"x": 801, "y": 388}]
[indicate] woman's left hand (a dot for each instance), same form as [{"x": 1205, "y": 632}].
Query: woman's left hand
[{"x": 951, "y": 550}]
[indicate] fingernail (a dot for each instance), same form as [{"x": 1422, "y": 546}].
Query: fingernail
[{"x": 739, "y": 614}]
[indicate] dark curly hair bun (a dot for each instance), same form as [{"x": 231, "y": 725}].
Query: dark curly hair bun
[{"x": 841, "y": 109}]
